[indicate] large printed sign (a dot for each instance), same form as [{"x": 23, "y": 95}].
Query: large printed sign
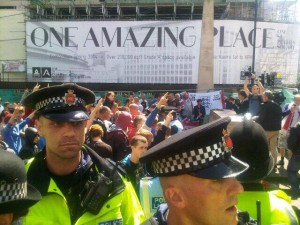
[
  {"x": 113, "y": 52},
  {"x": 210, "y": 100},
  {"x": 155, "y": 51},
  {"x": 14, "y": 66}
]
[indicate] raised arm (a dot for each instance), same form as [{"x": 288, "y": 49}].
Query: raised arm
[
  {"x": 151, "y": 117},
  {"x": 246, "y": 89},
  {"x": 261, "y": 87},
  {"x": 93, "y": 113}
]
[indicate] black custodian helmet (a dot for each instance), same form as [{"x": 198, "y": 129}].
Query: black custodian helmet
[{"x": 250, "y": 145}]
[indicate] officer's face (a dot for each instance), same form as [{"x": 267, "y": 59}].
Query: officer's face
[
  {"x": 6, "y": 219},
  {"x": 63, "y": 139},
  {"x": 203, "y": 201}
]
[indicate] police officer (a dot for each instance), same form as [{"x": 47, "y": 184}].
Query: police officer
[
  {"x": 250, "y": 145},
  {"x": 77, "y": 186},
  {"x": 16, "y": 195},
  {"x": 196, "y": 172}
]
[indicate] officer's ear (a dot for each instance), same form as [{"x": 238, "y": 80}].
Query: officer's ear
[
  {"x": 175, "y": 197},
  {"x": 38, "y": 125}
]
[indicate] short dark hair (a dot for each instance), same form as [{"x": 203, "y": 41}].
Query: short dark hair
[
  {"x": 104, "y": 109},
  {"x": 243, "y": 93},
  {"x": 135, "y": 139},
  {"x": 269, "y": 94},
  {"x": 138, "y": 119}
]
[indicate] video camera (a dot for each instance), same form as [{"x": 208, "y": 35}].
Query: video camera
[{"x": 278, "y": 97}]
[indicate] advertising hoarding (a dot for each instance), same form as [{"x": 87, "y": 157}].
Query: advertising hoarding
[{"x": 156, "y": 51}]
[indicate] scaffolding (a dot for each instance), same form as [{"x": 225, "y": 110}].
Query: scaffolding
[{"x": 268, "y": 10}]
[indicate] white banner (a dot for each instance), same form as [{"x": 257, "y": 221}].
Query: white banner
[
  {"x": 277, "y": 50},
  {"x": 113, "y": 51},
  {"x": 210, "y": 100},
  {"x": 14, "y": 66},
  {"x": 156, "y": 51}
]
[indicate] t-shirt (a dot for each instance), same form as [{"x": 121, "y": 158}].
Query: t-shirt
[
  {"x": 254, "y": 104},
  {"x": 134, "y": 171}
]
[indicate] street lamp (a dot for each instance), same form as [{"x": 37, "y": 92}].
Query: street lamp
[{"x": 254, "y": 34}]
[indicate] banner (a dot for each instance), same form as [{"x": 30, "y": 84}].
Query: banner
[
  {"x": 14, "y": 66},
  {"x": 210, "y": 100},
  {"x": 113, "y": 51},
  {"x": 156, "y": 51},
  {"x": 277, "y": 50}
]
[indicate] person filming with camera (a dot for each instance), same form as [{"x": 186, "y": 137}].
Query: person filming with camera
[{"x": 255, "y": 96}]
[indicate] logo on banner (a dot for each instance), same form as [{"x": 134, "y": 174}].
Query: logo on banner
[
  {"x": 46, "y": 72},
  {"x": 38, "y": 72}
]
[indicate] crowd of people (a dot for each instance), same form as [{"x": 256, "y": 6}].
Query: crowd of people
[
  {"x": 276, "y": 121},
  {"x": 85, "y": 157}
]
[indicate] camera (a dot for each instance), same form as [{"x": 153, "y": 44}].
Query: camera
[
  {"x": 278, "y": 97},
  {"x": 95, "y": 193}
]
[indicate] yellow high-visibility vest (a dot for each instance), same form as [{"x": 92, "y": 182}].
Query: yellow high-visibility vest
[
  {"x": 275, "y": 207},
  {"x": 123, "y": 208}
]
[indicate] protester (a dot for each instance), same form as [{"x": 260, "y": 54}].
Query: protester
[
  {"x": 117, "y": 136},
  {"x": 270, "y": 119},
  {"x": 187, "y": 108},
  {"x": 29, "y": 147},
  {"x": 2, "y": 123},
  {"x": 147, "y": 134},
  {"x": 199, "y": 112},
  {"x": 131, "y": 163},
  {"x": 109, "y": 99},
  {"x": 95, "y": 134},
  {"x": 196, "y": 172},
  {"x": 243, "y": 105},
  {"x": 16, "y": 195},
  {"x": 1, "y": 106},
  {"x": 77, "y": 185},
  {"x": 138, "y": 122},
  {"x": 293, "y": 167},
  {"x": 291, "y": 115},
  {"x": 11, "y": 132},
  {"x": 143, "y": 101}
]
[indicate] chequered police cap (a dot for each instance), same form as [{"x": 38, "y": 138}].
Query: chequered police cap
[
  {"x": 58, "y": 102},
  {"x": 68, "y": 96},
  {"x": 16, "y": 194},
  {"x": 204, "y": 151},
  {"x": 13, "y": 191},
  {"x": 189, "y": 160}
]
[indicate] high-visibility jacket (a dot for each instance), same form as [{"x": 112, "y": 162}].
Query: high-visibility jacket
[
  {"x": 275, "y": 207},
  {"x": 121, "y": 209}
]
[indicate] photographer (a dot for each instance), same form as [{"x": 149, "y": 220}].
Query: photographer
[{"x": 254, "y": 97}]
